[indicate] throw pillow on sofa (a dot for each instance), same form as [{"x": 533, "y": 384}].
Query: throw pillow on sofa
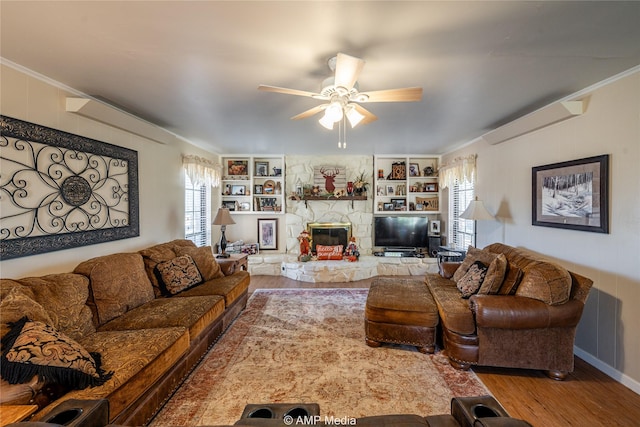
[
  {"x": 470, "y": 283},
  {"x": 204, "y": 259},
  {"x": 35, "y": 348},
  {"x": 178, "y": 274},
  {"x": 473, "y": 255},
  {"x": 511, "y": 280},
  {"x": 495, "y": 276}
]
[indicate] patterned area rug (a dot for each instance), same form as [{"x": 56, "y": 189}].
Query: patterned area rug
[{"x": 307, "y": 346}]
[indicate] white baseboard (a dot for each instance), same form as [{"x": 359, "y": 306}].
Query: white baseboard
[{"x": 607, "y": 369}]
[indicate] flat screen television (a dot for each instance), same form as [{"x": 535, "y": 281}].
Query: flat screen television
[{"x": 401, "y": 231}]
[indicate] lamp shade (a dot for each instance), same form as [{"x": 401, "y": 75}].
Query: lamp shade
[
  {"x": 476, "y": 211},
  {"x": 326, "y": 122},
  {"x": 334, "y": 112},
  {"x": 223, "y": 217},
  {"x": 354, "y": 116}
]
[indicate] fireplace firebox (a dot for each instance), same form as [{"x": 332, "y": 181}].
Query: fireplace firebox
[{"x": 329, "y": 234}]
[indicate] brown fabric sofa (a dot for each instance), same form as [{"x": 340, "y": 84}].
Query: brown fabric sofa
[
  {"x": 114, "y": 305},
  {"x": 524, "y": 318}
]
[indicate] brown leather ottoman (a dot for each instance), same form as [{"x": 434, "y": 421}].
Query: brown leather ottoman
[{"x": 400, "y": 311}]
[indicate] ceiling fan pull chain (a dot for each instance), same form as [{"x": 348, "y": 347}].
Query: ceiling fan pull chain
[{"x": 344, "y": 132}]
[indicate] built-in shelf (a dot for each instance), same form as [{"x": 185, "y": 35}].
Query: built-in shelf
[
  {"x": 253, "y": 184},
  {"x": 406, "y": 184}
]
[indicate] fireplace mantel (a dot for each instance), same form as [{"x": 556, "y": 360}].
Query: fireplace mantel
[{"x": 306, "y": 199}]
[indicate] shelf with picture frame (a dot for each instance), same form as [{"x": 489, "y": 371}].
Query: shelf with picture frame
[
  {"x": 406, "y": 184},
  {"x": 253, "y": 184}
]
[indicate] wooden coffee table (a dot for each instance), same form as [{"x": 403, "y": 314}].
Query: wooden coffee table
[{"x": 16, "y": 413}]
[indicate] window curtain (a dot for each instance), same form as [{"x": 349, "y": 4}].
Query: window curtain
[
  {"x": 460, "y": 169},
  {"x": 201, "y": 171}
]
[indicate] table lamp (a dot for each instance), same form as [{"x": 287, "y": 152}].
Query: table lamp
[
  {"x": 476, "y": 211},
  {"x": 223, "y": 218}
]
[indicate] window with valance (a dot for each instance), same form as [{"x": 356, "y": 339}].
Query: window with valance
[
  {"x": 459, "y": 176},
  {"x": 201, "y": 171},
  {"x": 460, "y": 169}
]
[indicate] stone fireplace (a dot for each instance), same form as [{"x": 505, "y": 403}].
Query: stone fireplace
[
  {"x": 358, "y": 214},
  {"x": 299, "y": 214},
  {"x": 329, "y": 234}
]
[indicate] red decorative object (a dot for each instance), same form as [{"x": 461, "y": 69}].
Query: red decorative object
[
  {"x": 329, "y": 177},
  {"x": 351, "y": 253},
  {"x": 304, "y": 240},
  {"x": 350, "y": 188}
]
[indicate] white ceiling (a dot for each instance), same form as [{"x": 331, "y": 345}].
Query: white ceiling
[{"x": 193, "y": 67}]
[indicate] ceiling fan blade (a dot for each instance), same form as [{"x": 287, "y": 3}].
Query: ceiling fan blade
[
  {"x": 286, "y": 91},
  {"x": 310, "y": 112},
  {"x": 368, "y": 115},
  {"x": 408, "y": 94},
  {"x": 348, "y": 69}
]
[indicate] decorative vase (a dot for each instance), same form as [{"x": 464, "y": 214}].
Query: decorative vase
[{"x": 350, "y": 188}]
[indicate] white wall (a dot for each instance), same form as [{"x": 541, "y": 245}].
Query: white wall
[
  {"x": 608, "y": 334},
  {"x": 160, "y": 173}
]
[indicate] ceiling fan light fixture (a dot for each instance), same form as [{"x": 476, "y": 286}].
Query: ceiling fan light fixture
[
  {"x": 326, "y": 122},
  {"x": 353, "y": 116},
  {"x": 334, "y": 112}
]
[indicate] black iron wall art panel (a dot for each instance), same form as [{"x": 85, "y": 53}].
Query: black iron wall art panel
[
  {"x": 572, "y": 195},
  {"x": 59, "y": 190}
]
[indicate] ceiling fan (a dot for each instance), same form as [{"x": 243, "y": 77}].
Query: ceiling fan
[{"x": 342, "y": 94}]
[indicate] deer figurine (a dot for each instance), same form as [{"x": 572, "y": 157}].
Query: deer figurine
[{"x": 329, "y": 177}]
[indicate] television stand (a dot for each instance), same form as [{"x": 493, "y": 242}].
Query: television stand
[{"x": 400, "y": 252}]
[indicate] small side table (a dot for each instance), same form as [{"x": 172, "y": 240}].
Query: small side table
[
  {"x": 16, "y": 413},
  {"x": 235, "y": 262},
  {"x": 444, "y": 256}
]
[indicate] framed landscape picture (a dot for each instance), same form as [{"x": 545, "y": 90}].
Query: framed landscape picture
[{"x": 572, "y": 195}]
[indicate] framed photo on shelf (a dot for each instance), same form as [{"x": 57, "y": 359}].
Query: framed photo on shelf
[
  {"x": 414, "y": 169},
  {"x": 390, "y": 190},
  {"x": 257, "y": 189},
  {"x": 428, "y": 203},
  {"x": 238, "y": 190},
  {"x": 268, "y": 233},
  {"x": 262, "y": 168},
  {"x": 431, "y": 187},
  {"x": 244, "y": 206},
  {"x": 237, "y": 167},
  {"x": 399, "y": 204},
  {"x": 229, "y": 204},
  {"x": 572, "y": 195},
  {"x": 388, "y": 207}
]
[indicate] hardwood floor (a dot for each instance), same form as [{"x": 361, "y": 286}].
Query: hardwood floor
[{"x": 586, "y": 397}]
